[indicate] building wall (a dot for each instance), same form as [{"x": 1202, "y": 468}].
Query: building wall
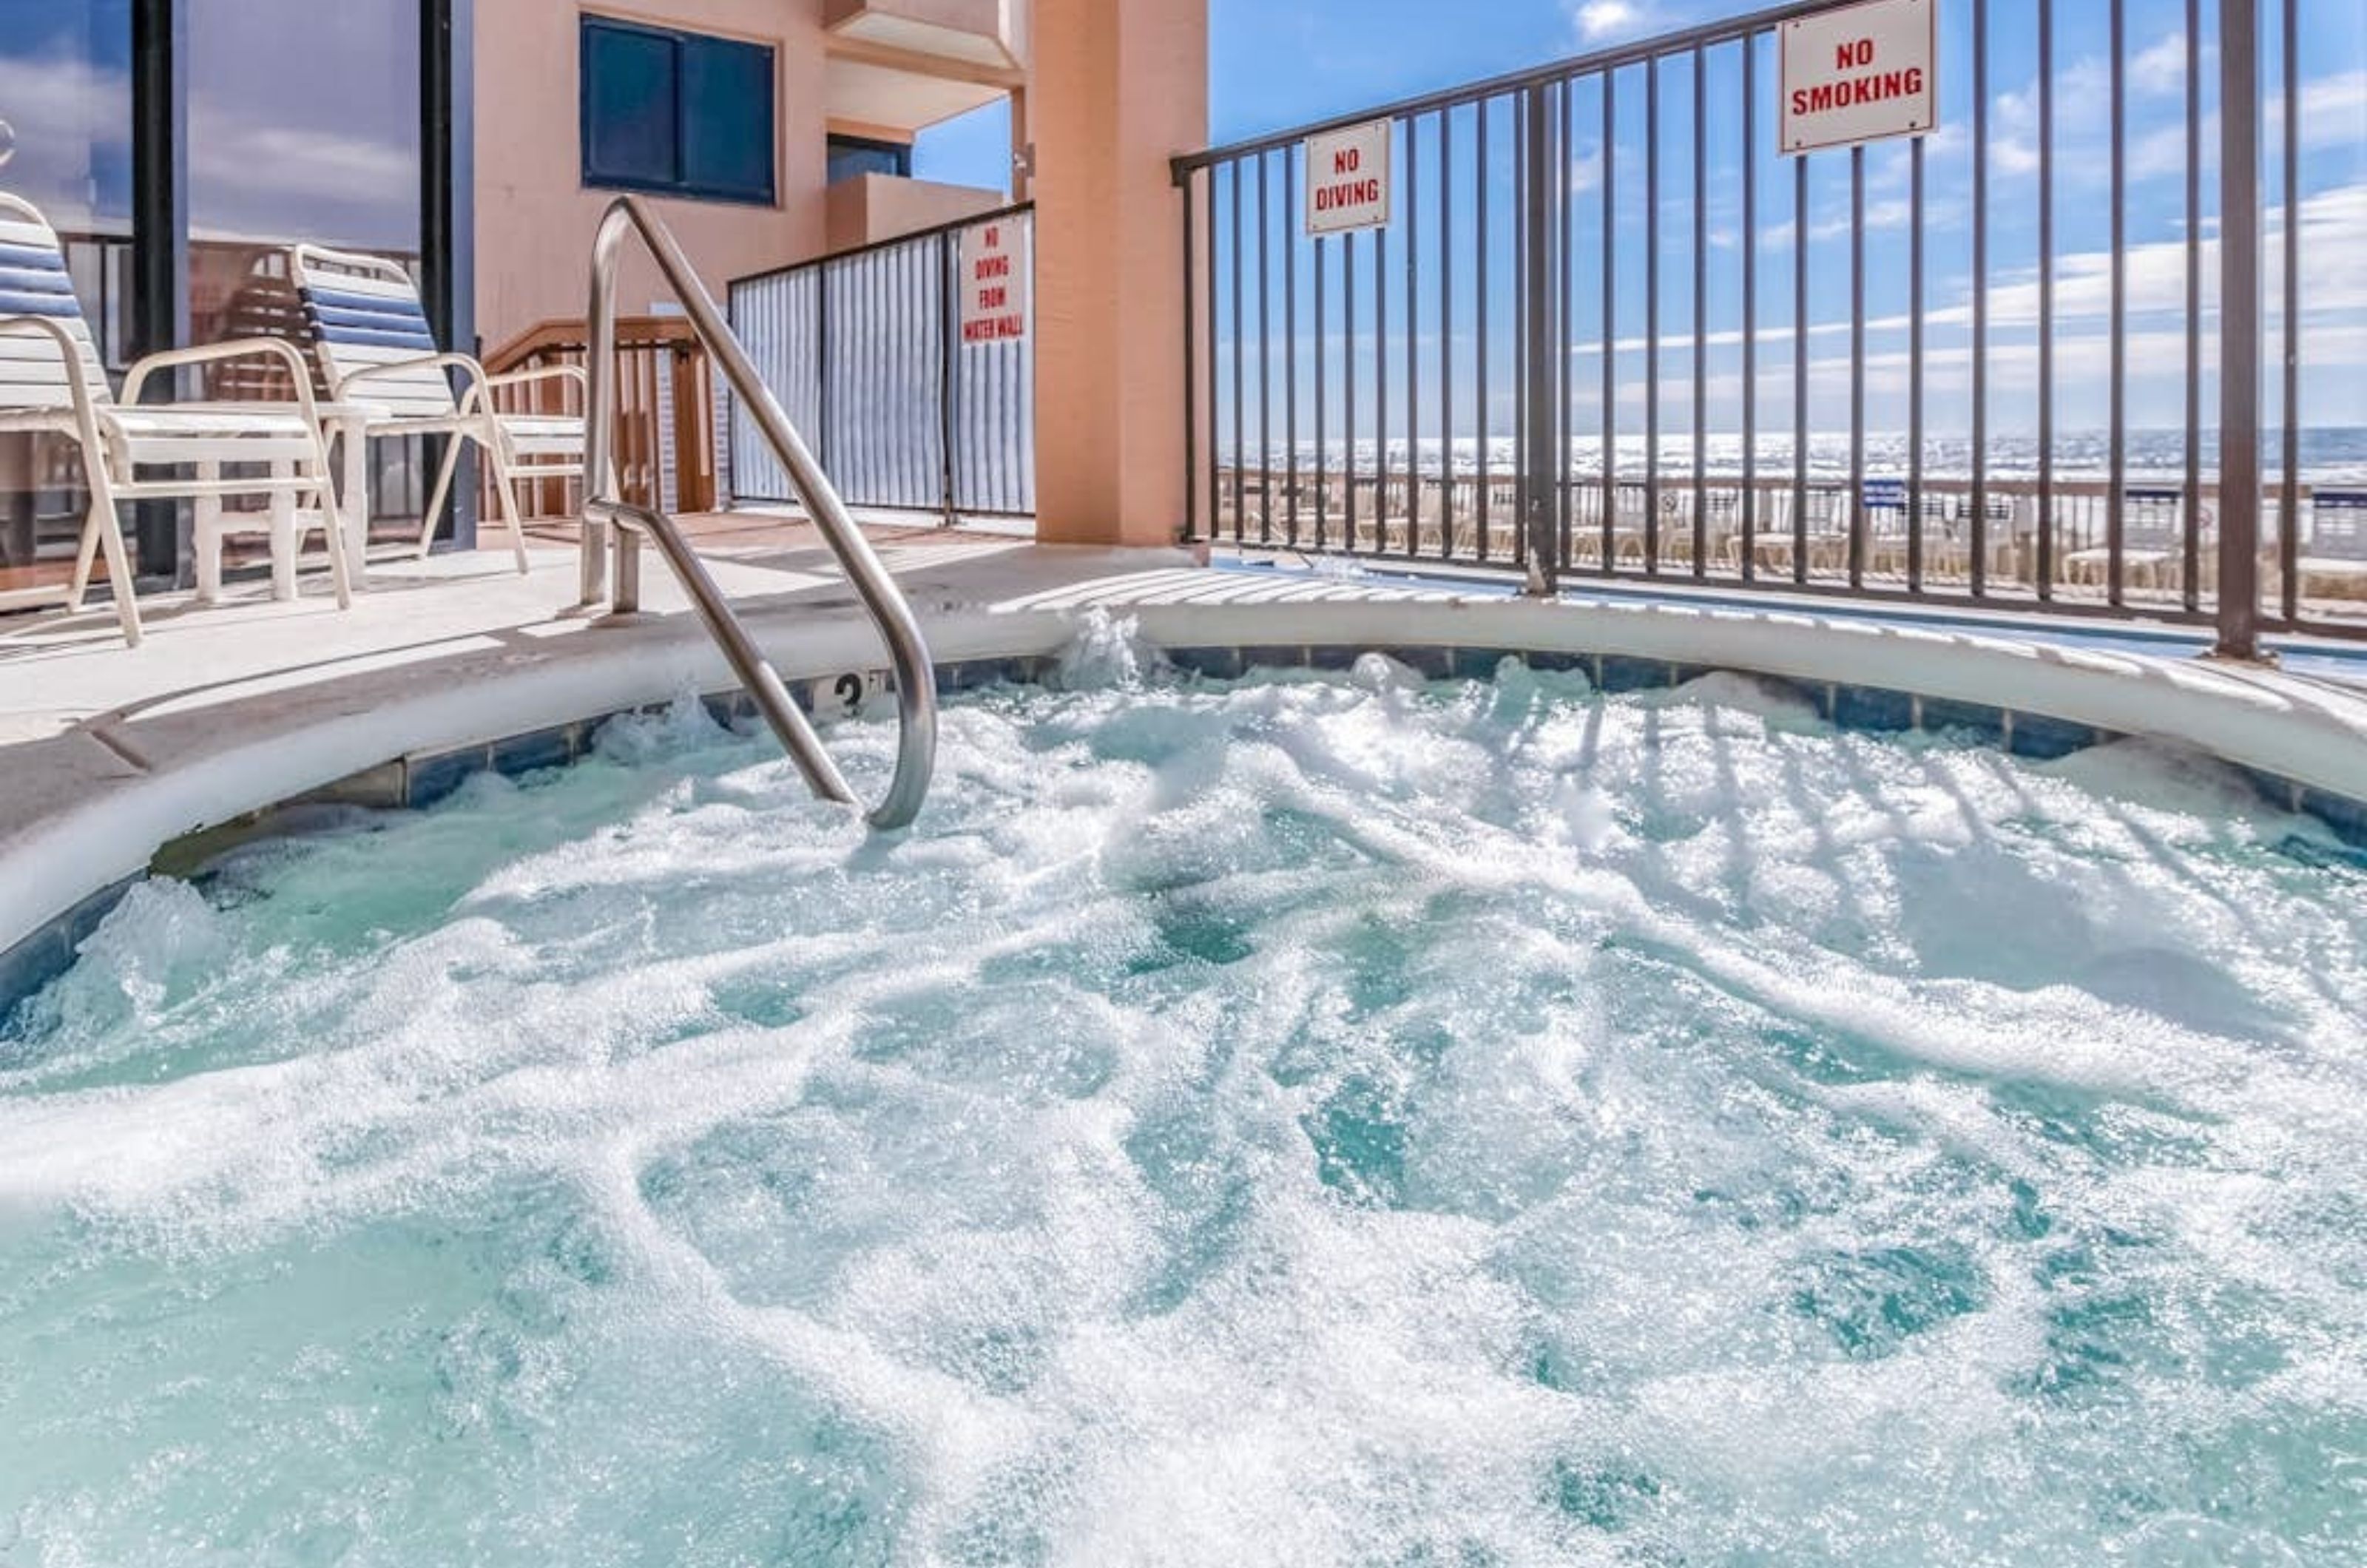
[
  {"x": 535, "y": 219},
  {"x": 870, "y": 208}
]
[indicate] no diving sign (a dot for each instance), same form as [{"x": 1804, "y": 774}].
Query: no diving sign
[
  {"x": 994, "y": 278},
  {"x": 1348, "y": 179},
  {"x": 1859, "y": 74}
]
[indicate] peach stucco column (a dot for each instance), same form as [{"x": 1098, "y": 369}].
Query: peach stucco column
[{"x": 1119, "y": 87}]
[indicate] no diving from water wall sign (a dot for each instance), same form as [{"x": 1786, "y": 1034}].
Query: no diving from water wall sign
[
  {"x": 1861, "y": 73},
  {"x": 1348, "y": 179},
  {"x": 994, "y": 283}
]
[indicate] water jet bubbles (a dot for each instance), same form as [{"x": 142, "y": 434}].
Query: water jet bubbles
[
  {"x": 1332, "y": 1117},
  {"x": 1108, "y": 653},
  {"x": 1379, "y": 674}
]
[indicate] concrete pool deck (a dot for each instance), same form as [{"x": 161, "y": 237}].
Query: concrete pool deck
[{"x": 107, "y": 755}]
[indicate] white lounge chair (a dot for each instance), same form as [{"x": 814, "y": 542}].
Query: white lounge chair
[
  {"x": 2334, "y": 561},
  {"x": 378, "y": 352},
  {"x": 2153, "y": 544},
  {"x": 52, "y": 381}
]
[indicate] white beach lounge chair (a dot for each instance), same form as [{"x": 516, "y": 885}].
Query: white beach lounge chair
[
  {"x": 2333, "y": 563},
  {"x": 52, "y": 381},
  {"x": 2153, "y": 542},
  {"x": 377, "y": 353}
]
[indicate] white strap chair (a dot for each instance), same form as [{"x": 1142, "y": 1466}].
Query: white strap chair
[
  {"x": 52, "y": 381},
  {"x": 378, "y": 352}
]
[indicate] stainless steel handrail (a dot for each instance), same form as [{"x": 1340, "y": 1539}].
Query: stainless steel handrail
[{"x": 605, "y": 515}]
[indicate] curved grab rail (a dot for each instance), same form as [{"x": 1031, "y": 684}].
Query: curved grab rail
[{"x": 916, "y": 683}]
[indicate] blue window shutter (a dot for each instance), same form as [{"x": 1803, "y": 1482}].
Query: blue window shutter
[
  {"x": 727, "y": 119},
  {"x": 632, "y": 106}
]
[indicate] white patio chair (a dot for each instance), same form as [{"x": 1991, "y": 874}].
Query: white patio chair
[
  {"x": 2153, "y": 542},
  {"x": 52, "y": 381},
  {"x": 2334, "y": 562},
  {"x": 377, "y": 353}
]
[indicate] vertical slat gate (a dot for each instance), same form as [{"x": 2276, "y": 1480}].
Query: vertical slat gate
[{"x": 866, "y": 352}]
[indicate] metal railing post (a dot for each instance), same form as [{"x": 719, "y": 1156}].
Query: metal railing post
[
  {"x": 599, "y": 398},
  {"x": 916, "y": 685},
  {"x": 948, "y": 346},
  {"x": 1974, "y": 511},
  {"x": 1540, "y": 466},
  {"x": 2239, "y": 332}
]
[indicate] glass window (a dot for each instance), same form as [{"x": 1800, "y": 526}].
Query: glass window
[
  {"x": 65, "y": 134},
  {"x": 854, "y": 155},
  {"x": 303, "y": 125},
  {"x": 677, "y": 113}
]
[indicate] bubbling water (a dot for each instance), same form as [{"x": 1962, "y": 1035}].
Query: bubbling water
[{"x": 1304, "y": 1119}]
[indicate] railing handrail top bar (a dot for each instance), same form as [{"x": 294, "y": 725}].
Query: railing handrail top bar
[
  {"x": 931, "y": 233},
  {"x": 1681, "y": 41},
  {"x": 557, "y": 334},
  {"x": 875, "y": 590}
]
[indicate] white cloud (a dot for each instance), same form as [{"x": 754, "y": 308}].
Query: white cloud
[
  {"x": 1586, "y": 170},
  {"x": 1598, "y": 21},
  {"x": 2333, "y": 343},
  {"x": 2160, "y": 67},
  {"x": 2331, "y": 113},
  {"x": 76, "y": 111}
]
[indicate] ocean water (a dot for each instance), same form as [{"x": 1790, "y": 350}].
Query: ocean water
[
  {"x": 1340, "y": 1120},
  {"x": 2329, "y": 456}
]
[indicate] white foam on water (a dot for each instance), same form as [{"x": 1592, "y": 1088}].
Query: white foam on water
[{"x": 1354, "y": 1120}]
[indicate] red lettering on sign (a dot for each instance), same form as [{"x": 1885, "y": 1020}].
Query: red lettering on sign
[
  {"x": 996, "y": 329},
  {"x": 1850, "y": 56},
  {"x": 1348, "y": 193},
  {"x": 1825, "y": 96},
  {"x": 1348, "y": 160}
]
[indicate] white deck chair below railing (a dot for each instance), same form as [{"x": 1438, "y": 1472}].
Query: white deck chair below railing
[
  {"x": 377, "y": 352},
  {"x": 51, "y": 382}
]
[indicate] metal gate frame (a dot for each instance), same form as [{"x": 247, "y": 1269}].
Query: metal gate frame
[
  {"x": 1536, "y": 112},
  {"x": 863, "y": 348}
]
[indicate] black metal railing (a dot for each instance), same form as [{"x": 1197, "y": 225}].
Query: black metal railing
[
  {"x": 864, "y": 350},
  {"x": 1612, "y": 330}
]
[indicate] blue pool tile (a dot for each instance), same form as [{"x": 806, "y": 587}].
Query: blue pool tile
[
  {"x": 31, "y": 964},
  {"x": 553, "y": 747},
  {"x": 1274, "y": 656},
  {"x": 1482, "y": 663},
  {"x": 2348, "y": 817},
  {"x": 1686, "y": 674},
  {"x": 1873, "y": 707},
  {"x": 1970, "y": 718},
  {"x": 1560, "y": 663},
  {"x": 2279, "y": 791},
  {"x": 1333, "y": 655},
  {"x": 50, "y": 951},
  {"x": 1220, "y": 663},
  {"x": 730, "y": 710},
  {"x": 2036, "y": 735},
  {"x": 975, "y": 674},
  {"x": 1622, "y": 673},
  {"x": 429, "y": 779},
  {"x": 1435, "y": 663}
]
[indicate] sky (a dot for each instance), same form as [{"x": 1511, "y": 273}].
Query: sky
[{"x": 1278, "y": 63}]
